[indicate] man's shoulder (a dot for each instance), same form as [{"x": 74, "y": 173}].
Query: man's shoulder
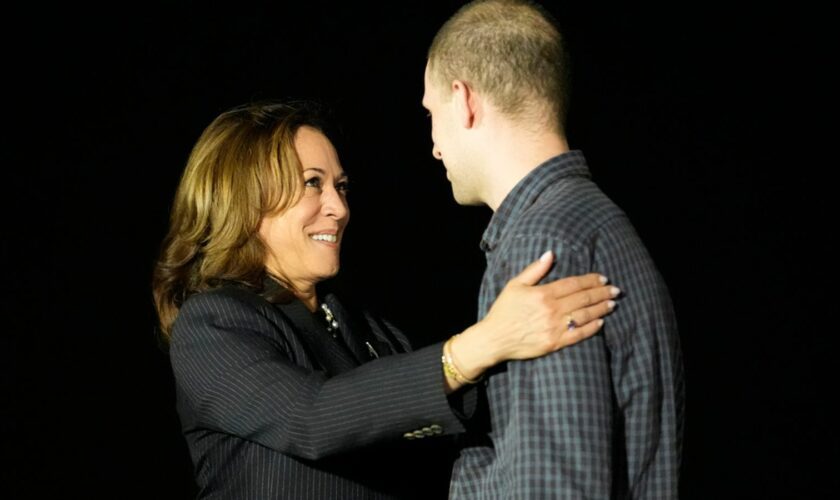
[{"x": 571, "y": 210}]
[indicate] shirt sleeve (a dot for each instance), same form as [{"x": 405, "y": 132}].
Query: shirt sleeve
[
  {"x": 600, "y": 416},
  {"x": 236, "y": 376},
  {"x": 645, "y": 364},
  {"x": 559, "y": 407}
]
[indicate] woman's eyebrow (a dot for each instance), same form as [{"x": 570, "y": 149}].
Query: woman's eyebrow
[{"x": 341, "y": 175}]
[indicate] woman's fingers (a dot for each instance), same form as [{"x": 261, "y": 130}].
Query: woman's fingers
[
  {"x": 528, "y": 320},
  {"x": 535, "y": 271},
  {"x": 580, "y": 317},
  {"x": 586, "y": 298},
  {"x": 570, "y": 337},
  {"x": 575, "y": 284},
  {"x": 582, "y": 323}
]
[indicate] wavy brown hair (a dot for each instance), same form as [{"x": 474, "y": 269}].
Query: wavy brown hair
[{"x": 243, "y": 167}]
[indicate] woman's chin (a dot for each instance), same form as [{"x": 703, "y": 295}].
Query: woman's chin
[{"x": 328, "y": 273}]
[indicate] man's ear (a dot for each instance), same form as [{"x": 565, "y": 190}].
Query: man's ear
[{"x": 468, "y": 104}]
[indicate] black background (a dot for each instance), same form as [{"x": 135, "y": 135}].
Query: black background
[{"x": 698, "y": 119}]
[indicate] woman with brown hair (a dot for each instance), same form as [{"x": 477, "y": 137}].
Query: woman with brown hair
[{"x": 285, "y": 394}]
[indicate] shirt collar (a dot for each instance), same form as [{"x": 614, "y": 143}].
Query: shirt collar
[{"x": 527, "y": 190}]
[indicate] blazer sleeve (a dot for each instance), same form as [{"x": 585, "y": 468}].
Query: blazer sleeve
[
  {"x": 235, "y": 374},
  {"x": 464, "y": 402}
]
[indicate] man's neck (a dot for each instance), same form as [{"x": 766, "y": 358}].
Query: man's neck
[{"x": 514, "y": 155}]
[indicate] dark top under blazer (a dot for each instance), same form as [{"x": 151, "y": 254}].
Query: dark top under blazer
[{"x": 272, "y": 406}]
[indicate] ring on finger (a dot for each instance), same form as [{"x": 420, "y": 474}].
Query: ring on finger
[{"x": 570, "y": 322}]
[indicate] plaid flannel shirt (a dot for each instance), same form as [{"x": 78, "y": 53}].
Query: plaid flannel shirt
[{"x": 600, "y": 419}]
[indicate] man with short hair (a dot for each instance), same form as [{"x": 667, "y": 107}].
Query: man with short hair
[{"x": 602, "y": 419}]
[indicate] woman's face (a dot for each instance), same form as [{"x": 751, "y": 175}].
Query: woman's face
[{"x": 304, "y": 241}]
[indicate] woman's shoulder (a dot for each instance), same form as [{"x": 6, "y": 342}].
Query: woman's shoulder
[
  {"x": 227, "y": 293},
  {"x": 227, "y": 303},
  {"x": 233, "y": 312}
]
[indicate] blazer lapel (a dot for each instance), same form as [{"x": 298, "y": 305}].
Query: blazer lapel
[
  {"x": 327, "y": 351},
  {"x": 364, "y": 347}
]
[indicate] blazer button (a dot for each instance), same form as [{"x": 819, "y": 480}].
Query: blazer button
[
  {"x": 436, "y": 429},
  {"x": 408, "y": 436},
  {"x": 427, "y": 431},
  {"x": 418, "y": 434}
]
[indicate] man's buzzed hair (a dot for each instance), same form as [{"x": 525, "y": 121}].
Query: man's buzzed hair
[{"x": 509, "y": 50}]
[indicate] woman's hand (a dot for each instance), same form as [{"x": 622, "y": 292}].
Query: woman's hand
[{"x": 528, "y": 320}]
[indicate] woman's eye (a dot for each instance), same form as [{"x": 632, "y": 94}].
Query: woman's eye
[
  {"x": 343, "y": 187},
  {"x": 313, "y": 182}
]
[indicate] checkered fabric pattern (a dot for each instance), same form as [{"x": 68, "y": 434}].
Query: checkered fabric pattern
[{"x": 603, "y": 418}]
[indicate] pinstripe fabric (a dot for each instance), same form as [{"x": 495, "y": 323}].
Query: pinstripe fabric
[
  {"x": 601, "y": 419},
  {"x": 272, "y": 410}
]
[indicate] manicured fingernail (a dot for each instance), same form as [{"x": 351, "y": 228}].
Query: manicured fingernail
[
  {"x": 614, "y": 291},
  {"x": 546, "y": 256},
  {"x": 600, "y": 323},
  {"x": 610, "y": 304},
  {"x": 603, "y": 279}
]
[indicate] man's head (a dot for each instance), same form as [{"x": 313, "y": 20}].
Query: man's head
[
  {"x": 509, "y": 51},
  {"x": 493, "y": 59}
]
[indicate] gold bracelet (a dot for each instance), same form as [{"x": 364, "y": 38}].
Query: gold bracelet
[{"x": 449, "y": 365}]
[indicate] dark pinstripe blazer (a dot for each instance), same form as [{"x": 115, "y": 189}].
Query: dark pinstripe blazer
[{"x": 272, "y": 406}]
